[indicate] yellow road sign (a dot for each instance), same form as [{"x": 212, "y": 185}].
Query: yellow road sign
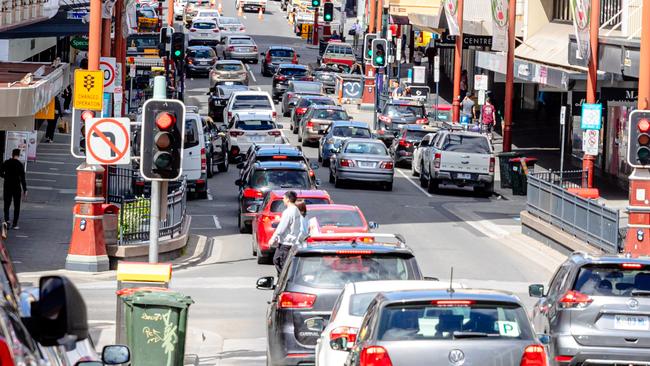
[
  {"x": 88, "y": 89},
  {"x": 306, "y": 30}
]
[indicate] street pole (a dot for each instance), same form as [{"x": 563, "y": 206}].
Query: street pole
[
  {"x": 436, "y": 79},
  {"x": 637, "y": 240},
  {"x": 170, "y": 13},
  {"x": 458, "y": 63},
  {"x": 159, "y": 92},
  {"x": 562, "y": 126},
  {"x": 510, "y": 79},
  {"x": 592, "y": 84},
  {"x": 119, "y": 49},
  {"x": 106, "y": 37},
  {"x": 314, "y": 35},
  {"x": 94, "y": 35}
]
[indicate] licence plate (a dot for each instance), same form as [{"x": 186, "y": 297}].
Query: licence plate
[
  {"x": 463, "y": 176},
  {"x": 242, "y": 49},
  {"x": 256, "y": 138},
  {"x": 366, "y": 164},
  {"x": 631, "y": 322}
]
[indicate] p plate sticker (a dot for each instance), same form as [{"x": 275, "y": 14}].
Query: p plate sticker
[{"x": 508, "y": 329}]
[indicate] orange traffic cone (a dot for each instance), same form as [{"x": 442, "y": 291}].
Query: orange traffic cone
[
  {"x": 240, "y": 12},
  {"x": 260, "y": 15}
]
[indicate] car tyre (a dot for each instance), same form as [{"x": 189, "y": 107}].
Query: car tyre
[
  {"x": 209, "y": 169},
  {"x": 332, "y": 180},
  {"x": 301, "y": 140},
  {"x": 326, "y": 163},
  {"x": 223, "y": 167},
  {"x": 433, "y": 185},
  {"x": 202, "y": 195},
  {"x": 337, "y": 182},
  {"x": 243, "y": 228},
  {"x": 423, "y": 179},
  {"x": 295, "y": 130},
  {"x": 388, "y": 186}
]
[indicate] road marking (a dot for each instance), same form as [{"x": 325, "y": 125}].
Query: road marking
[
  {"x": 217, "y": 224},
  {"x": 61, "y": 191},
  {"x": 251, "y": 73},
  {"x": 210, "y": 198},
  {"x": 417, "y": 185}
]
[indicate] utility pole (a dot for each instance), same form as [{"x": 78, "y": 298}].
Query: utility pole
[
  {"x": 510, "y": 69},
  {"x": 159, "y": 92},
  {"x": 314, "y": 35},
  {"x": 637, "y": 241},
  {"x": 458, "y": 63},
  {"x": 592, "y": 84}
]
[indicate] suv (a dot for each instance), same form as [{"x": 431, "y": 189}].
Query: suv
[
  {"x": 316, "y": 120},
  {"x": 275, "y": 56},
  {"x": 195, "y": 166},
  {"x": 596, "y": 310},
  {"x": 407, "y": 139},
  {"x": 286, "y": 73},
  {"x": 312, "y": 279},
  {"x": 397, "y": 113}
]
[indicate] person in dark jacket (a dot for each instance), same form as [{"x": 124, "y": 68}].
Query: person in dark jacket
[
  {"x": 15, "y": 186},
  {"x": 51, "y": 123}
]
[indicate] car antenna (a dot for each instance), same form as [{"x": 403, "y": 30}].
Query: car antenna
[{"x": 451, "y": 281}]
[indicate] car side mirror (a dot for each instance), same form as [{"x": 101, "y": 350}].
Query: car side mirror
[
  {"x": 314, "y": 165},
  {"x": 373, "y": 225},
  {"x": 544, "y": 339},
  {"x": 265, "y": 283},
  {"x": 292, "y": 104},
  {"x": 431, "y": 114},
  {"x": 536, "y": 290},
  {"x": 116, "y": 354},
  {"x": 416, "y": 143},
  {"x": 238, "y": 159},
  {"x": 261, "y": 53},
  {"x": 340, "y": 344},
  {"x": 298, "y": 55},
  {"x": 317, "y": 182},
  {"x": 252, "y": 208},
  {"x": 59, "y": 315},
  {"x": 239, "y": 182}
]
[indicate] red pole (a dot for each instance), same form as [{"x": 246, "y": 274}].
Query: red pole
[
  {"x": 170, "y": 13},
  {"x": 458, "y": 63},
  {"x": 372, "y": 15},
  {"x": 314, "y": 34},
  {"x": 94, "y": 34},
  {"x": 592, "y": 84},
  {"x": 119, "y": 49},
  {"x": 106, "y": 37},
  {"x": 510, "y": 79}
]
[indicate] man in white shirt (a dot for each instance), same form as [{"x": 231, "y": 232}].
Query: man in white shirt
[{"x": 288, "y": 231}]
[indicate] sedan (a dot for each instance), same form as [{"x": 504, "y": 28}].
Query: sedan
[
  {"x": 296, "y": 89},
  {"x": 337, "y": 219},
  {"x": 199, "y": 60},
  {"x": 241, "y": 48},
  {"x": 365, "y": 160},
  {"x": 338, "y": 132},
  {"x": 228, "y": 70},
  {"x": 230, "y": 26},
  {"x": 275, "y": 56},
  {"x": 403, "y": 146},
  {"x": 302, "y": 104},
  {"x": 245, "y": 131},
  {"x": 287, "y": 73},
  {"x": 218, "y": 99}
]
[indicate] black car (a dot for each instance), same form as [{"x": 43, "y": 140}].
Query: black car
[
  {"x": 286, "y": 73},
  {"x": 216, "y": 147},
  {"x": 271, "y": 153},
  {"x": 265, "y": 176},
  {"x": 295, "y": 90},
  {"x": 311, "y": 281},
  {"x": 303, "y": 103},
  {"x": 199, "y": 60},
  {"x": 218, "y": 99},
  {"x": 275, "y": 56},
  {"x": 404, "y": 143},
  {"x": 397, "y": 113}
]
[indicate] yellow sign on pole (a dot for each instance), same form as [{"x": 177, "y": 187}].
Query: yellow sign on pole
[
  {"x": 88, "y": 89},
  {"x": 306, "y": 30}
]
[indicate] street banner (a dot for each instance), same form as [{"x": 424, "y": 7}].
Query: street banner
[
  {"x": 581, "y": 11},
  {"x": 499, "y": 25},
  {"x": 451, "y": 12}
]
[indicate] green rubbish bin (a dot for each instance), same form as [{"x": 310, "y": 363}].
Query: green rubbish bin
[
  {"x": 520, "y": 175},
  {"x": 156, "y": 325},
  {"x": 505, "y": 168}
]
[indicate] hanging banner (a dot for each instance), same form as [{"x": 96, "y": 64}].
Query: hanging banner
[
  {"x": 581, "y": 11},
  {"x": 451, "y": 12},
  {"x": 499, "y": 25}
]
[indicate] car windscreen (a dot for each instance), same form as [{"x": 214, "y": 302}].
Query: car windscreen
[
  {"x": 142, "y": 42},
  {"x": 351, "y": 131},
  {"x": 339, "y": 49},
  {"x": 366, "y": 148},
  {"x": 282, "y": 53},
  {"x": 623, "y": 280},
  {"x": 147, "y": 12},
  {"x": 240, "y": 41},
  {"x": 336, "y": 270},
  {"x": 229, "y": 67},
  {"x": 416, "y": 135},
  {"x": 203, "y": 25},
  {"x": 322, "y": 101},
  {"x": 404, "y": 110},
  {"x": 279, "y": 178},
  {"x": 202, "y": 53},
  {"x": 251, "y": 102},
  {"x": 255, "y": 125},
  {"x": 226, "y": 91},
  {"x": 330, "y": 114},
  {"x": 292, "y": 71},
  {"x": 338, "y": 218},
  {"x": 278, "y": 205},
  {"x": 191, "y": 133},
  {"x": 466, "y": 144},
  {"x": 448, "y": 320}
]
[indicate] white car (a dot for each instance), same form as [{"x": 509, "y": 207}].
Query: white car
[
  {"x": 425, "y": 143},
  {"x": 252, "y": 128},
  {"x": 230, "y": 26},
  {"x": 203, "y": 31},
  {"x": 245, "y": 102},
  {"x": 179, "y": 7},
  {"x": 350, "y": 308},
  {"x": 194, "y": 158},
  {"x": 208, "y": 13}
]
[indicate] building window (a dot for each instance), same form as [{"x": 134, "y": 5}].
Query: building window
[{"x": 608, "y": 9}]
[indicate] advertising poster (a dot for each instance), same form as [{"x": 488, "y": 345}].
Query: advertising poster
[
  {"x": 32, "y": 143},
  {"x": 17, "y": 140},
  {"x": 451, "y": 12},
  {"x": 581, "y": 11},
  {"x": 499, "y": 25}
]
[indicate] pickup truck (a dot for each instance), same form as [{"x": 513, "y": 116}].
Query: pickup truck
[
  {"x": 255, "y": 5},
  {"x": 338, "y": 52},
  {"x": 460, "y": 158}
]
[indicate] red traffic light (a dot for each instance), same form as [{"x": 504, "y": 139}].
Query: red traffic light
[
  {"x": 165, "y": 120},
  {"x": 86, "y": 115},
  {"x": 644, "y": 125}
]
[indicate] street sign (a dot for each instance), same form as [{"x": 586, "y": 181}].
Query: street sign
[
  {"x": 109, "y": 68},
  {"x": 590, "y": 139},
  {"x": 481, "y": 97},
  {"x": 398, "y": 49},
  {"x": 117, "y": 101},
  {"x": 419, "y": 75},
  {"x": 591, "y": 116},
  {"x": 480, "y": 82},
  {"x": 108, "y": 141},
  {"x": 420, "y": 92},
  {"x": 562, "y": 115},
  {"x": 88, "y": 89},
  {"x": 132, "y": 71},
  {"x": 436, "y": 69}
]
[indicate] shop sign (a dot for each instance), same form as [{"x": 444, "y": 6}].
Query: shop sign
[{"x": 79, "y": 43}]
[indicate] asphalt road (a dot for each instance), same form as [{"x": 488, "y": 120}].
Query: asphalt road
[{"x": 227, "y": 321}]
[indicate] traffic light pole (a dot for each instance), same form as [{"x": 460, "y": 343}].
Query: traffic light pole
[
  {"x": 159, "y": 92},
  {"x": 314, "y": 35}
]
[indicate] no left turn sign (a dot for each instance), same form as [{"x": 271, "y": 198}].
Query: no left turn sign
[{"x": 108, "y": 141}]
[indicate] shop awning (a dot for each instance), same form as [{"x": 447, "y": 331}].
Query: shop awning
[
  {"x": 425, "y": 22},
  {"x": 549, "y": 46},
  {"x": 437, "y": 23},
  {"x": 62, "y": 24}
]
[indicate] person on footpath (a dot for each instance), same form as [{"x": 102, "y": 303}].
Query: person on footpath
[
  {"x": 488, "y": 116},
  {"x": 52, "y": 123},
  {"x": 288, "y": 231},
  {"x": 15, "y": 186},
  {"x": 468, "y": 113},
  {"x": 354, "y": 31}
]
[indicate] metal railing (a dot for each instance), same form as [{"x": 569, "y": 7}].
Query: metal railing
[
  {"x": 133, "y": 224},
  {"x": 121, "y": 183},
  {"x": 587, "y": 220},
  {"x": 564, "y": 179}
]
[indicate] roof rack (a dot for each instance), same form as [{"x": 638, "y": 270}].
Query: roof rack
[{"x": 361, "y": 238}]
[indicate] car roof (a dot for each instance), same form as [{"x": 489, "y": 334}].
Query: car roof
[
  {"x": 273, "y": 165},
  {"x": 315, "y": 97},
  {"x": 374, "y": 141},
  {"x": 405, "y": 102},
  {"x": 204, "y": 20},
  {"x": 339, "y": 246},
  {"x": 397, "y": 285},
  {"x": 199, "y": 48},
  {"x": 252, "y": 92},
  {"x": 323, "y": 106},
  {"x": 294, "y": 66},
  {"x": 457, "y": 294},
  {"x": 349, "y": 123},
  {"x": 227, "y": 62},
  {"x": 301, "y": 193},
  {"x": 465, "y": 133},
  {"x": 334, "y": 206},
  {"x": 417, "y": 127},
  {"x": 586, "y": 258}
]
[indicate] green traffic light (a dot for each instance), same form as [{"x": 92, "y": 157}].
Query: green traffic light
[
  {"x": 328, "y": 17},
  {"x": 177, "y": 53},
  {"x": 379, "y": 60}
]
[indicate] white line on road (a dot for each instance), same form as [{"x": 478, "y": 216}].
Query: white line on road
[
  {"x": 217, "y": 224},
  {"x": 210, "y": 198},
  {"x": 415, "y": 184},
  {"x": 251, "y": 73}
]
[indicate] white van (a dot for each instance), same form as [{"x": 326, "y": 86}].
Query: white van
[
  {"x": 194, "y": 157},
  {"x": 249, "y": 102}
]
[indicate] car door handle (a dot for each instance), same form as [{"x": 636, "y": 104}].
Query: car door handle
[
  {"x": 465, "y": 156},
  {"x": 464, "y": 162}
]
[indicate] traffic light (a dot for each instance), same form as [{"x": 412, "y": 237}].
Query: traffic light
[
  {"x": 367, "y": 46},
  {"x": 165, "y": 40},
  {"x": 178, "y": 46},
  {"x": 78, "y": 139},
  {"x": 379, "y": 52},
  {"x": 638, "y": 145},
  {"x": 315, "y": 3},
  {"x": 328, "y": 11},
  {"x": 163, "y": 131}
]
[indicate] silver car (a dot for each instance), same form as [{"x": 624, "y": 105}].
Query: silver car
[
  {"x": 365, "y": 160},
  {"x": 445, "y": 328},
  {"x": 596, "y": 311},
  {"x": 241, "y": 48}
]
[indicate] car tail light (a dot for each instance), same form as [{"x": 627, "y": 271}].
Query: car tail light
[
  {"x": 452, "y": 302},
  {"x": 404, "y": 143},
  {"x": 309, "y": 124},
  {"x": 301, "y": 110},
  {"x": 307, "y": 78},
  {"x": 282, "y": 78},
  {"x": 274, "y": 114},
  {"x": 279, "y": 157},
  {"x": 354, "y": 252},
  {"x": 270, "y": 218},
  {"x": 375, "y": 356},
  {"x": 381, "y": 132},
  {"x": 436, "y": 160},
  {"x": 236, "y": 133},
  {"x": 347, "y": 162},
  {"x": 253, "y": 193},
  {"x": 204, "y": 160},
  {"x": 255, "y": 49},
  {"x": 492, "y": 162},
  {"x": 563, "y": 359},
  {"x": 631, "y": 265},
  {"x": 229, "y": 115},
  {"x": 234, "y": 151},
  {"x": 296, "y": 300},
  {"x": 243, "y": 29},
  {"x": 574, "y": 299},
  {"x": 192, "y": 30},
  {"x": 534, "y": 355},
  {"x": 386, "y": 165},
  {"x": 294, "y": 60},
  {"x": 349, "y": 333},
  {"x": 216, "y": 30},
  {"x": 385, "y": 119},
  {"x": 190, "y": 61},
  {"x": 268, "y": 57},
  {"x": 275, "y": 133},
  {"x": 231, "y": 48},
  {"x": 421, "y": 121}
]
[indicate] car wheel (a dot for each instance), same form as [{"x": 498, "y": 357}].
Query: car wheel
[
  {"x": 423, "y": 179},
  {"x": 486, "y": 191},
  {"x": 202, "y": 195},
  {"x": 209, "y": 169},
  {"x": 320, "y": 157},
  {"x": 388, "y": 186},
  {"x": 432, "y": 187},
  {"x": 256, "y": 61},
  {"x": 254, "y": 247},
  {"x": 331, "y": 177},
  {"x": 241, "y": 224},
  {"x": 295, "y": 130},
  {"x": 223, "y": 167},
  {"x": 300, "y": 139},
  {"x": 337, "y": 182}
]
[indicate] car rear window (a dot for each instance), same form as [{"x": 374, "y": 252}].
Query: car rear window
[
  {"x": 229, "y": 21},
  {"x": 416, "y": 135},
  {"x": 613, "y": 280},
  {"x": 278, "y": 178},
  {"x": 227, "y": 90},
  {"x": 339, "y": 49},
  {"x": 208, "y": 14},
  {"x": 366, "y": 148},
  {"x": 229, "y": 67},
  {"x": 445, "y": 321},
  {"x": 322, "y": 101},
  {"x": 251, "y": 102},
  {"x": 466, "y": 144},
  {"x": 292, "y": 71},
  {"x": 336, "y": 270},
  {"x": 404, "y": 110},
  {"x": 204, "y": 25},
  {"x": 330, "y": 114},
  {"x": 315, "y": 88},
  {"x": 351, "y": 131},
  {"x": 244, "y": 41},
  {"x": 278, "y": 205},
  {"x": 338, "y": 218},
  {"x": 281, "y": 53},
  {"x": 255, "y": 125},
  {"x": 202, "y": 53}
]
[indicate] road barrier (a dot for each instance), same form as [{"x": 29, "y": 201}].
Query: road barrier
[{"x": 586, "y": 219}]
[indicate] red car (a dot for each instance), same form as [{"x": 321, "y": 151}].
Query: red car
[
  {"x": 339, "y": 219},
  {"x": 268, "y": 215}
]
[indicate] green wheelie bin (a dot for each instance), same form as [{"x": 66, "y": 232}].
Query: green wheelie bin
[
  {"x": 156, "y": 325},
  {"x": 505, "y": 168}
]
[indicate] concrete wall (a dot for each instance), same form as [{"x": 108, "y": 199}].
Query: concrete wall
[{"x": 22, "y": 49}]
